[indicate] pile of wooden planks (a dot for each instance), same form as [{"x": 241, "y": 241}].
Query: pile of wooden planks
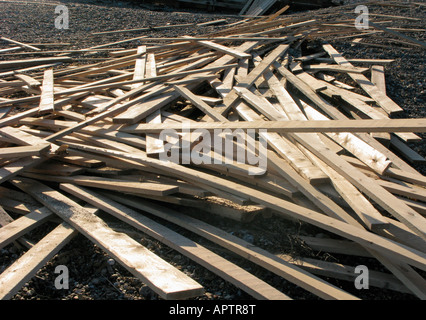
[{"x": 77, "y": 140}]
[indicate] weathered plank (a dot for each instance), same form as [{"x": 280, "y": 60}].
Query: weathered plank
[{"x": 368, "y": 125}]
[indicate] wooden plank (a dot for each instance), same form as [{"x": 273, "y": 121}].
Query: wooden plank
[
  {"x": 21, "y": 152},
  {"x": 153, "y": 144},
  {"x": 21, "y": 137},
  {"x": 12, "y": 169},
  {"x": 215, "y": 46},
  {"x": 345, "y": 272},
  {"x": 406, "y": 152},
  {"x": 31, "y": 82},
  {"x": 378, "y": 77},
  {"x": 335, "y": 246},
  {"x": 213, "y": 262},
  {"x": 23, "y": 269},
  {"x": 334, "y": 68},
  {"x": 21, "y": 44},
  {"x": 56, "y": 168},
  {"x": 146, "y": 188},
  {"x": 14, "y": 64},
  {"x": 404, "y": 189},
  {"x": 294, "y": 126},
  {"x": 140, "y": 66},
  {"x": 22, "y": 225},
  {"x": 139, "y": 111},
  {"x": 398, "y": 34},
  {"x": 360, "y": 149},
  {"x": 159, "y": 275}
]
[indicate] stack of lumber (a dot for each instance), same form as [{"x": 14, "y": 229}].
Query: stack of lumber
[{"x": 77, "y": 140}]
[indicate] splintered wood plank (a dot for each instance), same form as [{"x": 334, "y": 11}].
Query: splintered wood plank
[
  {"x": 146, "y": 188},
  {"x": 372, "y": 90},
  {"x": 281, "y": 206},
  {"x": 224, "y": 268},
  {"x": 22, "y": 225},
  {"x": 23, "y": 269},
  {"x": 237, "y": 245},
  {"x": 159, "y": 275}
]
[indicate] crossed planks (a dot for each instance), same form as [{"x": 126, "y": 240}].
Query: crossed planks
[
  {"x": 244, "y": 98},
  {"x": 163, "y": 278},
  {"x": 167, "y": 281}
]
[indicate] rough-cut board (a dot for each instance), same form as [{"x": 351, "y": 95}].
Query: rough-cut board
[{"x": 160, "y": 276}]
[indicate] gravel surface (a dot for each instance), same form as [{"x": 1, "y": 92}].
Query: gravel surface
[{"x": 96, "y": 276}]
